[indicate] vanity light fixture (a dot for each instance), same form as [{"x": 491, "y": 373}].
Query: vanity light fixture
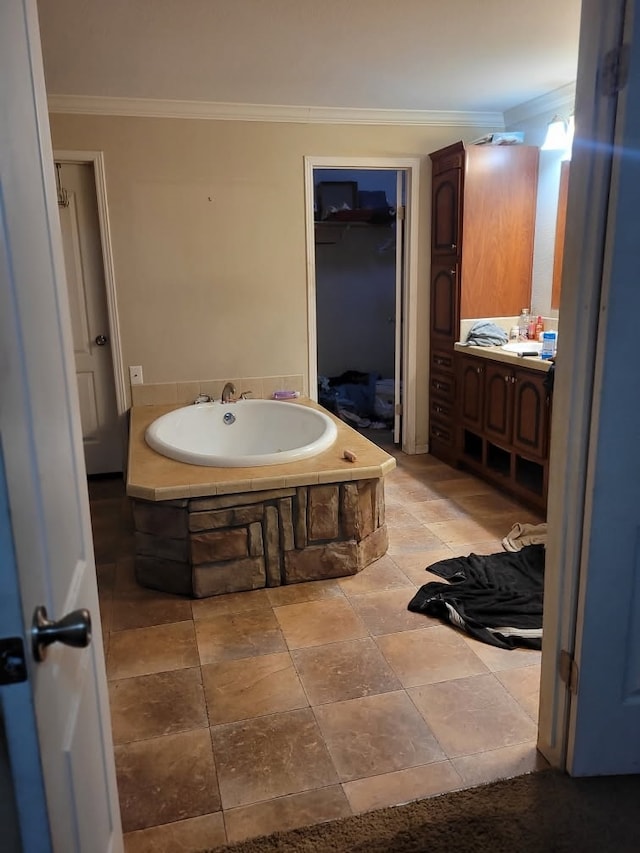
[
  {"x": 556, "y": 139},
  {"x": 571, "y": 125}
]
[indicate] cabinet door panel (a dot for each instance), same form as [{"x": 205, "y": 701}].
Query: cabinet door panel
[
  {"x": 530, "y": 414},
  {"x": 445, "y": 325},
  {"x": 471, "y": 391},
  {"x": 446, "y": 213},
  {"x": 498, "y": 402}
]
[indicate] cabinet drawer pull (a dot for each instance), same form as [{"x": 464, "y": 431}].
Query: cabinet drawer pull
[
  {"x": 453, "y": 246},
  {"x": 452, "y": 272}
]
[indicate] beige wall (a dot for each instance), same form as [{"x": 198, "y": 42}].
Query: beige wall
[{"x": 208, "y": 230}]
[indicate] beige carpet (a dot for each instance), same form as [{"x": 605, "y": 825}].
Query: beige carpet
[{"x": 540, "y": 813}]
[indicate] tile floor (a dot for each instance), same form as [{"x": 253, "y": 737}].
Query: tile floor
[{"x": 238, "y": 715}]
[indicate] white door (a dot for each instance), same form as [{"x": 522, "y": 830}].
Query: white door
[
  {"x": 69, "y": 752},
  {"x": 604, "y": 730},
  {"x": 592, "y": 583},
  {"x": 101, "y": 434}
]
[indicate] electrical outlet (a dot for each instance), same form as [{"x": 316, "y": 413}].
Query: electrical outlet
[{"x": 135, "y": 374}]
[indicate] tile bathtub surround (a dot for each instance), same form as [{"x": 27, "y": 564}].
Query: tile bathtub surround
[
  {"x": 261, "y": 387},
  {"x": 252, "y": 712}
]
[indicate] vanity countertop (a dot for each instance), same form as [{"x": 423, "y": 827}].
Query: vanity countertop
[{"x": 498, "y": 354}]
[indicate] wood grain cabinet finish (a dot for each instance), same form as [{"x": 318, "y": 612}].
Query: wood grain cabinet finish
[
  {"x": 498, "y": 418},
  {"x": 531, "y": 414},
  {"x": 445, "y": 323},
  {"x": 446, "y": 212},
  {"x": 502, "y": 424},
  {"x": 470, "y": 383},
  {"x": 482, "y": 228}
]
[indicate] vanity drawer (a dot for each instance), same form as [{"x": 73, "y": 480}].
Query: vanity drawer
[
  {"x": 441, "y": 361},
  {"x": 443, "y": 385},
  {"x": 441, "y": 410},
  {"x": 441, "y": 433}
]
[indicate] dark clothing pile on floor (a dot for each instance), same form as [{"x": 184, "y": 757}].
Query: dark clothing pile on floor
[{"x": 496, "y": 599}]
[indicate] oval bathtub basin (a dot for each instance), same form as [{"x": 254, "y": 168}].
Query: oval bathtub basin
[{"x": 242, "y": 434}]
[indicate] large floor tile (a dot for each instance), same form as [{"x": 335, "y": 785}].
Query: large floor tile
[
  {"x": 504, "y": 763},
  {"x": 192, "y": 835},
  {"x": 375, "y": 735},
  {"x": 251, "y": 687},
  {"x": 381, "y": 575},
  {"x": 415, "y": 564},
  {"x": 459, "y": 530},
  {"x": 269, "y": 757},
  {"x": 409, "y": 539},
  {"x": 439, "y": 509},
  {"x": 233, "y": 602},
  {"x": 497, "y": 659},
  {"x": 387, "y": 612},
  {"x": 315, "y": 623},
  {"x": 143, "y": 651},
  {"x": 470, "y": 715},
  {"x": 153, "y": 705},
  {"x": 345, "y": 670},
  {"x": 284, "y": 813},
  {"x": 238, "y": 635},
  {"x": 166, "y": 779},
  {"x": 142, "y": 608},
  {"x": 524, "y": 685},
  {"x": 402, "y": 786},
  {"x": 428, "y": 655},
  {"x": 296, "y": 593}
]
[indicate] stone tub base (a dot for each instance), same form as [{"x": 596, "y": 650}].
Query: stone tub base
[{"x": 236, "y": 542}]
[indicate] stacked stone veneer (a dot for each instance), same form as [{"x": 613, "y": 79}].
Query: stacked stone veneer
[{"x": 230, "y": 543}]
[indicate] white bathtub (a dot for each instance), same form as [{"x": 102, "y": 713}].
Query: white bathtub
[{"x": 258, "y": 432}]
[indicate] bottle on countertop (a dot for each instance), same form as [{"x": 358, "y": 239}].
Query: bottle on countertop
[
  {"x": 523, "y": 324},
  {"x": 548, "y": 345},
  {"x": 539, "y": 327}
]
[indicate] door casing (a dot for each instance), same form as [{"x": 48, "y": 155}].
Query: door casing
[
  {"x": 96, "y": 159},
  {"x": 411, "y": 166}
]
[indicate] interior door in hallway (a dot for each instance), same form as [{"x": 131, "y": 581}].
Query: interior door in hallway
[{"x": 101, "y": 434}]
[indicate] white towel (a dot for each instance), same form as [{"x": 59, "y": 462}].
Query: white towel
[{"x": 525, "y": 534}]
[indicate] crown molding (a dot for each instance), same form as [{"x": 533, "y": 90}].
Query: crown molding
[
  {"x": 155, "y": 108},
  {"x": 558, "y": 100}
]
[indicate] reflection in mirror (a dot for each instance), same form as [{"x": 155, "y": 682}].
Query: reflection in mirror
[
  {"x": 542, "y": 300},
  {"x": 561, "y": 222}
]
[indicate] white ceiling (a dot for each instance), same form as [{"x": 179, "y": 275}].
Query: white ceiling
[{"x": 469, "y": 55}]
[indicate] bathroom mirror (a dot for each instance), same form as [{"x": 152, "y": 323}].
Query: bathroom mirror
[{"x": 561, "y": 222}]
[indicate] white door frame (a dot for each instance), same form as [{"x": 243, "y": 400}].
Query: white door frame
[
  {"x": 411, "y": 166},
  {"x": 96, "y": 159},
  {"x": 578, "y": 383}
]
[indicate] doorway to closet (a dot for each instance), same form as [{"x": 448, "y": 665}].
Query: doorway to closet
[{"x": 359, "y": 260}]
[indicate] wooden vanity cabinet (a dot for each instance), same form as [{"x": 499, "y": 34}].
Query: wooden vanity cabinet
[
  {"x": 482, "y": 228},
  {"x": 502, "y": 434}
]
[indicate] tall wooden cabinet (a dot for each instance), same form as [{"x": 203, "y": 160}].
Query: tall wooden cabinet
[{"x": 482, "y": 228}]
